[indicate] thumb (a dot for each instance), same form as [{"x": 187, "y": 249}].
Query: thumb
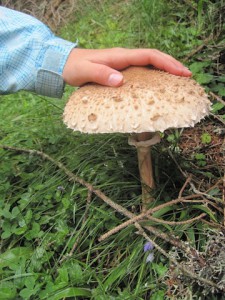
[{"x": 104, "y": 75}]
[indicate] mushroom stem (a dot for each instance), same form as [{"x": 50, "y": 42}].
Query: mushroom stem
[{"x": 143, "y": 142}]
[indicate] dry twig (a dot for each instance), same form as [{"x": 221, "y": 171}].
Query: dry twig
[
  {"x": 131, "y": 221},
  {"x": 217, "y": 98},
  {"x": 72, "y": 177},
  {"x": 193, "y": 187},
  {"x": 124, "y": 211}
]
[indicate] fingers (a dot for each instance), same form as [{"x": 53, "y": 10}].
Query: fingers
[
  {"x": 85, "y": 65},
  {"x": 120, "y": 58},
  {"x": 159, "y": 60},
  {"x": 104, "y": 75},
  {"x": 102, "y": 66},
  {"x": 98, "y": 73},
  {"x": 168, "y": 63}
]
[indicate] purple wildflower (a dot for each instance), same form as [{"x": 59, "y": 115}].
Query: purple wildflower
[
  {"x": 150, "y": 257},
  {"x": 148, "y": 246}
]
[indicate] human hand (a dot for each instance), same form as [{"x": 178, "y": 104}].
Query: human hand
[{"x": 102, "y": 66}]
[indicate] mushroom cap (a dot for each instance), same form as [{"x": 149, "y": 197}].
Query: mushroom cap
[{"x": 148, "y": 101}]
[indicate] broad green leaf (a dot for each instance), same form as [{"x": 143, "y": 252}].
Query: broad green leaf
[
  {"x": 63, "y": 276},
  {"x": 159, "y": 268},
  {"x": 159, "y": 295},
  {"x": 206, "y": 138},
  {"x": 221, "y": 91},
  {"x": 203, "y": 78},
  {"x": 28, "y": 216},
  {"x": 26, "y": 293},
  {"x": 12, "y": 256},
  {"x": 6, "y": 213},
  {"x": 7, "y": 291},
  {"x": 66, "y": 202},
  {"x": 217, "y": 106},
  {"x": 6, "y": 234},
  {"x": 15, "y": 212},
  {"x": 30, "y": 282},
  {"x": 20, "y": 230},
  {"x": 199, "y": 156},
  {"x": 198, "y": 67},
  {"x": 219, "y": 88},
  {"x": 7, "y": 229},
  {"x": 75, "y": 273}
]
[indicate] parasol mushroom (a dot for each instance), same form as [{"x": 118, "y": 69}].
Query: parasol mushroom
[{"x": 150, "y": 101}]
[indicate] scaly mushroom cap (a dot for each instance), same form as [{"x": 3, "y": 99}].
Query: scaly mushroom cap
[{"x": 148, "y": 101}]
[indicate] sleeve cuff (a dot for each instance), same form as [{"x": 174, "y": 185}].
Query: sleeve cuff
[{"x": 49, "y": 81}]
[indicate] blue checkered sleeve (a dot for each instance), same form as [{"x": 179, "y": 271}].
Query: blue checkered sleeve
[{"x": 32, "y": 58}]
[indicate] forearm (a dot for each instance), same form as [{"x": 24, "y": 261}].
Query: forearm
[{"x": 31, "y": 57}]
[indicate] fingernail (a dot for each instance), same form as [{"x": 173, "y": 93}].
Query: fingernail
[
  {"x": 188, "y": 71},
  {"x": 115, "y": 79}
]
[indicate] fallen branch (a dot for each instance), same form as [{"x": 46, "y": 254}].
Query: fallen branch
[
  {"x": 218, "y": 118},
  {"x": 219, "y": 99},
  {"x": 194, "y": 189},
  {"x": 72, "y": 177},
  {"x": 188, "y": 179},
  {"x": 135, "y": 219}
]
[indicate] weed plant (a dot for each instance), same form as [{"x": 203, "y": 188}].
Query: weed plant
[{"x": 50, "y": 225}]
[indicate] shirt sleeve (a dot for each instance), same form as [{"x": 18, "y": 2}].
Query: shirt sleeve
[{"x": 32, "y": 58}]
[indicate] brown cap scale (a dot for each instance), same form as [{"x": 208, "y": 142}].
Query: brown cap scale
[{"x": 149, "y": 101}]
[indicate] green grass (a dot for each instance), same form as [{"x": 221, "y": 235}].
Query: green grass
[
  {"x": 134, "y": 24},
  {"x": 43, "y": 212}
]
